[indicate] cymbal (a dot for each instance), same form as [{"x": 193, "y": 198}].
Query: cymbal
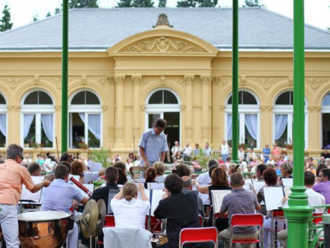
[
  {"x": 101, "y": 217},
  {"x": 89, "y": 218}
]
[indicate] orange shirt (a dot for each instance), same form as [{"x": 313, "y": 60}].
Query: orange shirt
[{"x": 12, "y": 176}]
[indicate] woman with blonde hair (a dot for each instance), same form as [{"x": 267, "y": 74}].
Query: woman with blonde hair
[{"x": 129, "y": 211}]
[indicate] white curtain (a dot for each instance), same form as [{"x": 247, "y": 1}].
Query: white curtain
[
  {"x": 47, "y": 123},
  {"x": 28, "y": 119},
  {"x": 229, "y": 127},
  {"x": 251, "y": 125},
  {"x": 3, "y": 126},
  {"x": 280, "y": 125},
  {"x": 94, "y": 124}
]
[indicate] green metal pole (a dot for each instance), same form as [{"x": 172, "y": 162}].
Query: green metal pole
[
  {"x": 65, "y": 57},
  {"x": 234, "y": 105},
  {"x": 298, "y": 213}
]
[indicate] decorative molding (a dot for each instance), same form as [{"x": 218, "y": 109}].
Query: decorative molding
[
  {"x": 206, "y": 80},
  {"x": 137, "y": 79},
  {"x": 36, "y": 79},
  {"x": 314, "y": 108},
  {"x": 105, "y": 107},
  {"x": 143, "y": 107},
  {"x": 83, "y": 80},
  {"x": 13, "y": 82},
  {"x": 266, "y": 107},
  {"x": 216, "y": 81},
  {"x": 183, "y": 107},
  {"x": 225, "y": 80},
  {"x": 56, "y": 81},
  {"x": 266, "y": 82},
  {"x": 163, "y": 80},
  {"x": 13, "y": 107},
  {"x": 222, "y": 107},
  {"x": 315, "y": 82},
  {"x": 58, "y": 107},
  {"x": 189, "y": 79},
  {"x": 242, "y": 80},
  {"x": 163, "y": 44},
  {"x": 162, "y": 21},
  {"x": 120, "y": 80}
]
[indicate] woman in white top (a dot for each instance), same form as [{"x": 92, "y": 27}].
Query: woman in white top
[{"x": 129, "y": 211}]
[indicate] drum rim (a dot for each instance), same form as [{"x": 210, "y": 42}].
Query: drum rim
[{"x": 21, "y": 217}]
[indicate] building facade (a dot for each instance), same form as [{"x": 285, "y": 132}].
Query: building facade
[{"x": 115, "y": 94}]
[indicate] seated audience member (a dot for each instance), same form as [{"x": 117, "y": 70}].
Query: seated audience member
[
  {"x": 271, "y": 180},
  {"x": 177, "y": 217},
  {"x": 160, "y": 171},
  {"x": 239, "y": 201},
  {"x": 205, "y": 178},
  {"x": 182, "y": 170},
  {"x": 27, "y": 160},
  {"x": 286, "y": 171},
  {"x": 318, "y": 169},
  {"x": 129, "y": 211},
  {"x": 224, "y": 167},
  {"x": 121, "y": 172},
  {"x": 259, "y": 172},
  {"x": 314, "y": 199},
  {"x": 323, "y": 187},
  {"x": 59, "y": 196},
  {"x": 150, "y": 176},
  {"x": 187, "y": 185},
  {"x": 219, "y": 181},
  {"x": 233, "y": 168},
  {"x": 34, "y": 169}
]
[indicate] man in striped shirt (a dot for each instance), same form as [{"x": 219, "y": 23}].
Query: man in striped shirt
[
  {"x": 239, "y": 201},
  {"x": 153, "y": 144}
]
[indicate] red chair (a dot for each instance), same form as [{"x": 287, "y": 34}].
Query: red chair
[
  {"x": 276, "y": 215},
  {"x": 198, "y": 235},
  {"x": 155, "y": 224},
  {"x": 109, "y": 222},
  {"x": 246, "y": 220}
]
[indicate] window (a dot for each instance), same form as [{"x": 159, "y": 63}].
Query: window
[
  {"x": 38, "y": 120},
  {"x": 283, "y": 120},
  {"x": 3, "y": 121},
  {"x": 163, "y": 97},
  {"x": 248, "y": 119},
  {"x": 85, "y": 120},
  {"x": 326, "y": 122}
]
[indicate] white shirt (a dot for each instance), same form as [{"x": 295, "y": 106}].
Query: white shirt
[
  {"x": 175, "y": 149},
  {"x": 130, "y": 214},
  {"x": 207, "y": 151},
  {"x": 204, "y": 179},
  {"x": 315, "y": 199},
  {"x": 241, "y": 154},
  {"x": 187, "y": 150},
  {"x": 224, "y": 149}
]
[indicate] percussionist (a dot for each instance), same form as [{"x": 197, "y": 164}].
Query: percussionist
[
  {"x": 59, "y": 196},
  {"x": 12, "y": 176}
]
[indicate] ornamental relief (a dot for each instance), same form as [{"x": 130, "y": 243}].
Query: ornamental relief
[
  {"x": 315, "y": 82},
  {"x": 14, "y": 82},
  {"x": 266, "y": 82},
  {"x": 163, "y": 44},
  {"x": 163, "y": 80},
  {"x": 56, "y": 81}
]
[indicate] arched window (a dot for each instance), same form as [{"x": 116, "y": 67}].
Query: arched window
[
  {"x": 3, "y": 121},
  {"x": 326, "y": 121},
  {"x": 38, "y": 120},
  {"x": 85, "y": 120},
  {"x": 163, "y": 97},
  {"x": 249, "y": 131},
  {"x": 283, "y": 120}
]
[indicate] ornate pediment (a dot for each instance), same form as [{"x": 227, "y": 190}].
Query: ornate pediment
[{"x": 162, "y": 44}]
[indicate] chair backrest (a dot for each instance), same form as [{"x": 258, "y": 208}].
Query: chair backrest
[
  {"x": 112, "y": 193},
  {"x": 109, "y": 221},
  {"x": 246, "y": 220},
  {"x": 155, "y": 225},
  {"x": 317, "y": 218},
  {"x": 277, "y": 213},
  {"x": 198, "y": 235}
]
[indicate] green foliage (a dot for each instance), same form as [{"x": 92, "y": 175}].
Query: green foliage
[
  {"x": 162, "y": 4},
  {"x": 35, "y": 18},
  {"x": 143, "y": 3},
  {"x": 186, "y": 3},
  {"x": 48, "y": 14},
  {"x": 207, "y": 3},
  {"x": 124, "y": 4},
  {"x": 57, "y": 11},
  {"x": 202, "y": 159},
  {"x": 5, "y": 23},
  {"x": 101, "y": 156},
  {"x": 83, "y": 4},
  {"x": 252, "y": 3}
]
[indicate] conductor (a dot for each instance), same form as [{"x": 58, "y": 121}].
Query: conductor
[{"x": 153, "y": 144}]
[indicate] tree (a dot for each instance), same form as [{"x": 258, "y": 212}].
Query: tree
[
  {"x": 207, "y": 3},
  {"x": 5, "y": 23},
  {"x": 143, "y": 3},
  {"x": 252, "y": 3},
  {"x": 57, "y": 11},
  {"x": 48, "y": 14},
  {"x": 35, "y": 18},
  {"x": 186, "y": 3},
  {"x": 124, "y": 4},
  {"x": 83, "y": 4},
  {"x": 162, "y": 4}
]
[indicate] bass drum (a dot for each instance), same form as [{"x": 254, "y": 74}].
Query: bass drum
[{"x": 43, "y": 229}]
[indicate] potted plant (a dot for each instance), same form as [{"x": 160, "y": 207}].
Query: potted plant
[{"x": 288, "y": 145}]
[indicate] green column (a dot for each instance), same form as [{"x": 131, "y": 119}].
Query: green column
[
  {"x": 234, "y": 105},
  {"x": 298, "y": 212},
  {"x": 65, "y": 42}
]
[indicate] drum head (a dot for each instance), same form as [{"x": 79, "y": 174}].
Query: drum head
[{"x": 43, "y": 216}]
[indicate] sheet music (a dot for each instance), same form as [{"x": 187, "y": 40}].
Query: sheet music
[
  {"x": 156, "y": 186},
  {"x": 247, "y": 186},
  {"x": 94, "y": 166},
  {"x": 273, "y": 197},
  {"x": 287, "y": 182},
  {"x": 157, "y": 195},
  {"x": 217, "y": 197},
  {"x": 258, "y": 185},
  {"x": 90, "y": 176},
  {"x": 27, "y": 195}
]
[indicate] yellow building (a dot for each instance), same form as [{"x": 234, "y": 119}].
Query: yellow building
[{"x": 123, "y": 74}]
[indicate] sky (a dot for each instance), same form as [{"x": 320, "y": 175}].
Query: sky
[{"x": 317, "y": 12}]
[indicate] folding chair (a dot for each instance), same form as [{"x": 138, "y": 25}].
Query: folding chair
[
  {"x": 198, "y": 235},
  {"x": 274, "y": 226},
  {"x": 155, "y": 224},
  {"x": 246, "y": 220},
  {"x": 109, "y": 222}
]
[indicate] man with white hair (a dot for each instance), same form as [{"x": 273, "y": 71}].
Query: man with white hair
[{"x": 175, "y": 149}]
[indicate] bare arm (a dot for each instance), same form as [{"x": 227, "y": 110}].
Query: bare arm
[
  {"x": 119, "y": 195},
  {"x": 84, "y": 201},
  {"x": 142, "y": 192},
  {"x": 162, "y": 156},
  {"x": 39, "y": 186},
  {"x": 143, "y": 155},
  {"x": 258, "y": 207},
  {"x": 202, "y": 189}
]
